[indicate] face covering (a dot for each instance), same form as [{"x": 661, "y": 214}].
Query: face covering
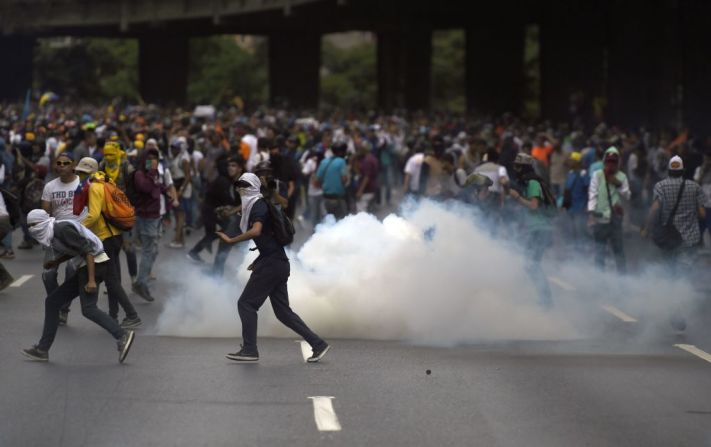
[
  {"x": 41, "y": 226},
  {"x": 249, "y": 194},
  {"x": 112, "y": 161}
]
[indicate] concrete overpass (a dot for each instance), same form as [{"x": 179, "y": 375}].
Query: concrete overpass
[{"x": 648, "y": 58}]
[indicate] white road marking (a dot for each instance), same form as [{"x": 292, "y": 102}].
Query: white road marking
[
  {"x": 21, "y": 280},
  {"x": 691, "y": 349},
  {"x": 305, "y": 349},
  {"x": 560, "y": 283},
  {"x": 325, "y": 416},
  {"x": 619, "y": 314}
]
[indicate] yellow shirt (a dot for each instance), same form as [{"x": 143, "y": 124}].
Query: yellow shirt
[{"x": 95, "y": 221}]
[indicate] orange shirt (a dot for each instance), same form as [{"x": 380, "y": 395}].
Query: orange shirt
[{"x": 542, "y": 153}]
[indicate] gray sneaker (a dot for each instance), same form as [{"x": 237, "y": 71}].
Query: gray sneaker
[
  {"x": 124, "y": 344},
  {"x": 35, "y": 354},
  {"x": 130, "y": 323},
  {"x": 318, "y": 354}
]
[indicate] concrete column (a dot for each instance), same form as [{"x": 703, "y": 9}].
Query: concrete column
[
  {"x": 696, "y": 76},
  {"x": 16, "y": 54},
  {"x": 404, "y": 62},
  {"x": 644, "y": 63},
  {"x": 163, "y": 68},
  {"x": 294, "y": 68},
  {"x": 572, "y": 59},
  {"x": 494, "y": 66}
]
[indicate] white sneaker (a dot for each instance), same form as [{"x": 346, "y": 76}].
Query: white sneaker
[{"x": 176, "y": 245}]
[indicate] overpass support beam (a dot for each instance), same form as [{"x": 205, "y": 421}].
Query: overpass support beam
[
  {"x": 494, "y": 67},
  {"x": 572, "y": 60},
  {"x": 644, "y": 64},
  {"x": 16, "y": 52},
  {"x": 163, "y": 68},
  {"x": 404, "y": 62},
  {"x": 294, "y": 68},
  {"x": 696, "y": 76}
]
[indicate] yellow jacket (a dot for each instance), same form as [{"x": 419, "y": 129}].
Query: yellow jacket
[{"x": 95, "y": 221}]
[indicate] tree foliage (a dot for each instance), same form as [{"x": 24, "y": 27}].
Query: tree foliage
[
  {"x": 348, "y": 76},
  {"x": 220, "y": 69}
]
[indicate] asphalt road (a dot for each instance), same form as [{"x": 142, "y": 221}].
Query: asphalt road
[{"x": 615, "y": 389}]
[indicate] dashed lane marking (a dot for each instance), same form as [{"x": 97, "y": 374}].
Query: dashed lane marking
[
  {"x": 560, "y": 283},
  {"x": 619, "y": 314},
  {"x": 21, "y": 280},
  {"x": 691, "y": 349},
  {"x": 325, "y": 416}
]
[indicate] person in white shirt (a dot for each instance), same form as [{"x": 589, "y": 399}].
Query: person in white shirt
[{"x": 58, "y": 201}]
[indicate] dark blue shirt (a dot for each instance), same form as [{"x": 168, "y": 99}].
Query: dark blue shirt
[
  {"x": 267, "y": 245},
  {"x": 578, "y": 183}
]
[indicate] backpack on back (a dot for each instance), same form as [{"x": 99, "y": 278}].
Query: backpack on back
[
  {"x": 117, "y": 209},
  {"x": 282, "y": 227}
]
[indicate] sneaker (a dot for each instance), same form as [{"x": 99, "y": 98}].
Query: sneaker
[
  {"x": 174, "y": 244},
  {"x": 25, "y": 245},
  {"x": 142, "y": 291},
  {"x": 124, "y": 344},
  {"x": 130, "y": 323},
  {"x": 35, "y": 354},
  {"x": 318, "y": 354},
  {"x": 195, "y": 257},
  {"x": 63, "y": 317},
  {"x": 9, "y": 254},
  {"x": 243, "y": 356}
]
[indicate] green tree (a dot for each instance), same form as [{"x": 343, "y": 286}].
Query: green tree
[
  {"x": 220, "y": 69},
  {"x": 348, "y": 78},
  {"x": 87, "y": 69},
  {"x": 448, "y": 72}
]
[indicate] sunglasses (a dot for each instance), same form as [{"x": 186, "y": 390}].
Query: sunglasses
[{"x": 64, "y": 163}]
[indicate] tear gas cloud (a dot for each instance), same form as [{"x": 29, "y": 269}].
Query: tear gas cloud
[{"x": 431, "y": 276}]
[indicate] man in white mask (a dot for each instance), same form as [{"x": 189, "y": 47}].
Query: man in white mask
[
  {"x": 270, "y": 273},
  {"x": 73, "y": 242}
]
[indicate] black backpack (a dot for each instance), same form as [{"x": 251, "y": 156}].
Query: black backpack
[{"x": 282, "y": 228}]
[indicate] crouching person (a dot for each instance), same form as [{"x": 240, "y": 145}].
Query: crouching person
[{"x": 76, "y": 244}]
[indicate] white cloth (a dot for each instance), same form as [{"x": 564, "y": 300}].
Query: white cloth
[
  {"x": 60, "y": 196},
  {"x": 251, "y": 141},
  {"x": 41, "y": 226},
  {"x": 3, "y": 207},
  {"x": 494, "y": 172},
  {"x": 413, "y": 167},
  {"x": 249, "y": 197}
]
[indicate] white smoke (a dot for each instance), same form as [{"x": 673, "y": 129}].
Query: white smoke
[{"x": 433, "y": 276}]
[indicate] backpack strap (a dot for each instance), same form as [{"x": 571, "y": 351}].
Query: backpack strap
[{"x": 676, "y": 205}]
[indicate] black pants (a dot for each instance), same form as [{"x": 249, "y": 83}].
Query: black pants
[
  {"x": 612, "y": 233},
  {"x": 269, "y": 279},
  {"x": 117, "y": 295},
  {"x": 64, "y": 294},
  {"x": 210, "y": 223}
]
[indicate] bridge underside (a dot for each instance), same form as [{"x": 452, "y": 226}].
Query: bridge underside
[{"x": 646, "y": 62}]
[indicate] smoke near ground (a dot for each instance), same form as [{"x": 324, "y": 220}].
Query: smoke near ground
[{"x": 433, "y": 275}]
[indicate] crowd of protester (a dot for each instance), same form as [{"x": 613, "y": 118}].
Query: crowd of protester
[{"x": 535, "y": 182}]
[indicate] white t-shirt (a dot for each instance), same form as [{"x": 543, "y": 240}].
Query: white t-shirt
[
  {"x": 495, "y": 173},
  {"x": 413, "y": 167},
  {"x": 61, "y": 197},
  {"x": 310, "y": 168}
]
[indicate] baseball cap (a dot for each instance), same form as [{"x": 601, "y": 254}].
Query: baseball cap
[
  {"x": 87, "y": 165},
  {"x": 523, "y": 159},
  {"x": 676, "y": 163}
]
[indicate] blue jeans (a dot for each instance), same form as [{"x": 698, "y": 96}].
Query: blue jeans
[{"x": 148, "y": 231}]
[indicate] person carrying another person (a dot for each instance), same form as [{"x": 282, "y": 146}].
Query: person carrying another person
[{"x": 74, "y": 243}]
